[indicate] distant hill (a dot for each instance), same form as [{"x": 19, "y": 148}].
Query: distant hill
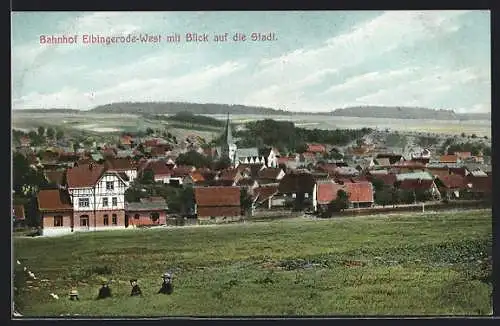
[
  {"x": 407, "y": 113},
  {"x": 50, "y": 111},
  {"x": 178, "y": 107}
]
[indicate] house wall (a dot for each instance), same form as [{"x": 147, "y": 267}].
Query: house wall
[
  {"x": 207, "y": 212},
  {"x": 145, "y": 219},
  {"x": 131, "y": 174},
  {"x": 96, "y": 201},
  {"x": 48, "y": 228},
  {"x": 96, "y": 221}
]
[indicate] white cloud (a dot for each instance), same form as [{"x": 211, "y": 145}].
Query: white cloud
[
  {"x": 424, "y": 90},
  {"x": 380, "y": 35},
  {"x": 152, "y": 89}
]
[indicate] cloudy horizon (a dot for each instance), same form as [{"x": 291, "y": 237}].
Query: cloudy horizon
[{"x": 319, "y": 61}]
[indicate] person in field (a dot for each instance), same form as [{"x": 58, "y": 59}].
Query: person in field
[
  {"x": 136, "y": 290},
  {"x": 104, "y": 291},
  {"x": 166, "y": 287},
  {"x": 73, "y": 295}
]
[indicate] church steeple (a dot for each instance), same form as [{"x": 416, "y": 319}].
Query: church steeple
[{"x": 228, "y": 136}]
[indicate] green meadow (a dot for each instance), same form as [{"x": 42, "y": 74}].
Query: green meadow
[{"x": 401, "y": 264}]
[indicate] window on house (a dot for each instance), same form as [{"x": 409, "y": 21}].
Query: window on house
[
  {"x": 114, "y": 201},
  {"x": 83, "y": 202},
  {"x": 105, "y": 202},
  {"x": 294, "y": 195},
  {"x": 306, "y": 195},
  {"x": 58, "y": 220},
  {"x": 110, "y": 185},
  {"x": 84, "y": 220},
  {"x": 136, "y": 216},
  {"x": 114, "y": 219},
  {"x": 106, "y": 219}
]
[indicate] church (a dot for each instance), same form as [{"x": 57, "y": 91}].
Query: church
[{"x": 250, "y": 155}]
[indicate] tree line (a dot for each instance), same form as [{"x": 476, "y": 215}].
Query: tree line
[{"x": 288, "y": 138}]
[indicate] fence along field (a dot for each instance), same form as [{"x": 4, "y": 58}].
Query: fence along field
[{"x": 399, "y": 264}]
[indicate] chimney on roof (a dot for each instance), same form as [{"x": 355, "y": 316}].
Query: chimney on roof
[{"x": 91, "y": 165}]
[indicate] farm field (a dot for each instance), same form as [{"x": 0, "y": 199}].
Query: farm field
[
  {"x": 109, "y": 122},
  {"x": 401, "y": 264}
]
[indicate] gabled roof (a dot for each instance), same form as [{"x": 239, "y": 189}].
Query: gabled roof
[
  {"x": 254, "y": 169},
  {"x": 159, "y": 168},
  {"x": 448, "y": 159},
  {"x": 327, "y": 191},
  {"x": 316, "y": 148},
  {"x": 119, "y": 164},
  {"x": 54, "y": 200},
  {"x": 182, "y": 171},
  {"x": 217, "y": 196},
  {"x": 229, "y": 174},
  {"x": 296, "y": 182},
  {"x": 264, "y": 193},
  {"x": 84, "y": 176},
  {"x": 246, "y": 182},
  {"x": 197, "y": 176},
  {"x": 360, "y": 192},
  {"x": 55, "y": 177}
]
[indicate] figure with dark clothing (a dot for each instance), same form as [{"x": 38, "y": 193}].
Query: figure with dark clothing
[
  {"x": 104, "y": 292},
  {"x": 136, "y": 290},
  {"x": 166, "y": 287}
]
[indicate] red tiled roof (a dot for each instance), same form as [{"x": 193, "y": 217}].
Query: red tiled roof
[
  {"x": 229, "y": 174},
  {"x": 453, "y": 181},
  {"x": 448, "y": 159},
  {"x": 269, "y": 173},
  {"x": 316, "y": 148},
  {"x": 119, "y": 164},
  {"x": 360, "y": 192},
  {"x": 84, "y": 175},
  {"x": 53, "y": 200},
  {"x": 159, "y": 168},
  {"x": 182, "y": 171},
  {"x": 197, "y": 176},
  {"x": 217, "y": 196},
  {"x": 296, "y": 183},
  {"x": 458, "y": 171},
  {"x": 126, "y": 140},
  {"x": 463, "y": 155},
  {"x": 55, "y": 177},
  {"x": 246, "y": 182},
  {"x": 19, "y": 212},
  {"x": 327, "y": 191},
  {"x": 264, "y": 193},
  {"x": 327, "y": 167}
]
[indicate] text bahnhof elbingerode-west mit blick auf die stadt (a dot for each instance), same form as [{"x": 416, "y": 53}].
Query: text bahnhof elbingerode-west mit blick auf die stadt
[{"x": 157, "y": 38}]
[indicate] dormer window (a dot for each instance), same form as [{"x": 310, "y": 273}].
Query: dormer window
[{"x": 110, "y": 185}]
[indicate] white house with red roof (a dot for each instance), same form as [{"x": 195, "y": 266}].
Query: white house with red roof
[{"x": 97, "y": 196}]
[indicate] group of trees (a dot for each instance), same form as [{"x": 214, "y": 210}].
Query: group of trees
[
  {"x": 286, "y": 137},
  {"x": 39, "y": 136},
  {"x": 385, "y": 195},
  {"x": 26, "y": 183},
  {"x": 474, "y": 148},
  {"x": 180, "y": 200}
]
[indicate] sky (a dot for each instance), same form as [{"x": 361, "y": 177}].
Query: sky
[{"x": 318, "y": 61}]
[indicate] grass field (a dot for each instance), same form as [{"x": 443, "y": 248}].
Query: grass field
[{"x": 406, "y": 264}]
